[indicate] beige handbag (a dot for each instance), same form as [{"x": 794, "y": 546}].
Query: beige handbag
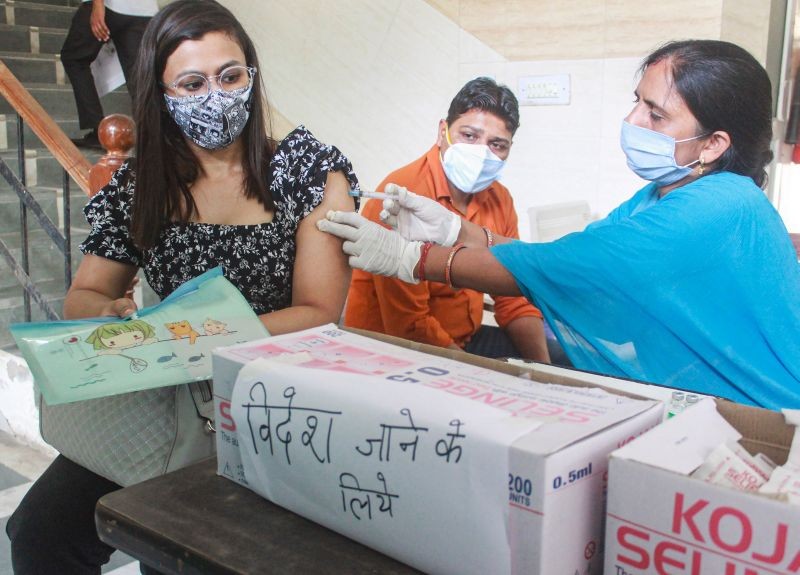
[{"x": 134, "y": 436}]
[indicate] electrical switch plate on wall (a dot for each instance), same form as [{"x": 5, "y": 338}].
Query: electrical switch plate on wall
[{"x": 543, "y": 90}]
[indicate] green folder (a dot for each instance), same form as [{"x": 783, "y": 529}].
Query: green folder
[{"x": 166, "y": 344}]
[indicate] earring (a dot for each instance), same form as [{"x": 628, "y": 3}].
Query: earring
[{"x": 702, "y": 165}]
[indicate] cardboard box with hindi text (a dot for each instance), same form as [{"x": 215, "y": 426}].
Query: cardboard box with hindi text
[
  {"x": 547, "y": 484},
  {"x": 661, "y": 520}
]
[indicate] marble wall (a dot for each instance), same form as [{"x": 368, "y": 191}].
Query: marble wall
[{"x": 374, "y": 77}]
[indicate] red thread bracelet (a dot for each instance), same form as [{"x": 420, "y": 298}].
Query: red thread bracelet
[{"x": 426, "y": 247}]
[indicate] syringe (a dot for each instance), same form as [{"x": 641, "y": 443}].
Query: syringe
[{"x": 375, "y": 195}]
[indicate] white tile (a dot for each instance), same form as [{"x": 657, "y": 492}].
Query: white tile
[
  {"x": 18, "y": 414},
  {"x": 10, "y": 498},
  {"x": 618, "y": 182},
  {"x": 127, "y": 569},
  {"x": 582, "y": 117},
  {"x": 618, "y": 86},
  {"x": 470, "y": 70},
  {"x": 471, "y": 49},
  {"x": 552, "y": 170},
  {"x": 27, "y": 461}
]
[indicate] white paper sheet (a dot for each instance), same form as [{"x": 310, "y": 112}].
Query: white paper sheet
[
  {"x": 107, "y": 70},
  {"x": 682, "y": 444},
  {"x": 415, "y": 473}
]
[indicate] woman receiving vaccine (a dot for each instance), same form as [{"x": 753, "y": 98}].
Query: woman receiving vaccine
[
  {"x": 208, "y": 187},
  {"x": 691, "y": 283}
]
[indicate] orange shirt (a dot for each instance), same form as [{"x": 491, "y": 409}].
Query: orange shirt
[{"x": 431, "y": 312}]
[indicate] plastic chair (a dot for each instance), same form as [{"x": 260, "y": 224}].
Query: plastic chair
[{"x": 552, "y": 221}]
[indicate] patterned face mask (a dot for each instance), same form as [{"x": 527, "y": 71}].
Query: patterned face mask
[{"x": 214, "y": 122}]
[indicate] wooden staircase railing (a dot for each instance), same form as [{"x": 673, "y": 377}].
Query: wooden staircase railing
[
  {"x": 50, "y": 133},
  {"x": 116, "y": 134}
]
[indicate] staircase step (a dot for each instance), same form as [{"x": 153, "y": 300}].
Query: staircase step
[
  {"x": 31, "y": 39},
  {"x": 47, "y": 274},
  {"x": 59, "y": 102},
  {"x": 10, "y": 288},
  {"x": 41, "y": 168},
  {"x": 70, "y": 3},
  {"x": 40, "y": 68},
  {"x": 13, "y": 311},
  {"x": 45, "y": 260},
  {"x": 8, "y": 137},
  {"x": 52, "y": 204},
  {"x": 32, "y": 33},
  {"x": 44, "y": 14}
]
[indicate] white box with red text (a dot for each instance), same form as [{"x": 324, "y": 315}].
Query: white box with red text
[
  {"x": 661, "y": 520},
  {"x": 556, "y": 481}
]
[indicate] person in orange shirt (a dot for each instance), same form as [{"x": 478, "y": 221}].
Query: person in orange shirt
[{"x": 460, "y": 172}]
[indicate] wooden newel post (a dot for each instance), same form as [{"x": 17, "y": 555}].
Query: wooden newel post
[{"x": 117, "y": 135}]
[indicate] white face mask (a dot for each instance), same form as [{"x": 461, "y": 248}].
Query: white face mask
[{"x": 471, "y": 167}]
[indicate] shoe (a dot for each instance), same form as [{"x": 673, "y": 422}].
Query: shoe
[{"x": 88, "y": 140}]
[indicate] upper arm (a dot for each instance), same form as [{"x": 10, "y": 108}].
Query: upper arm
[
  {"x": 321, "y": 273},
  {"x": 104, "y": 276}
]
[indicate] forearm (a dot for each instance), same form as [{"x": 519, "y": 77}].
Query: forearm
[
  {"x": 472, "y": 235},
  {"x": 98, "y": 289},
  {"x": 473, "y": 268},
  {"x": 298, "y": 317},
  {"x": 527, "y": 334}
]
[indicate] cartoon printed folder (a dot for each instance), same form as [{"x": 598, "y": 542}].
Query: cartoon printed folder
[{"x": 166, "y": 344}]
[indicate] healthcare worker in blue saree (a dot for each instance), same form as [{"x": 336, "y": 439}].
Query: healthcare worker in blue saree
[
  {"x": 699, "y": 289},
  {"x": 692, "y": 283}
]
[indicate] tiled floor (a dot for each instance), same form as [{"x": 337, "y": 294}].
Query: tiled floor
[{"x": 19, "y": 467}]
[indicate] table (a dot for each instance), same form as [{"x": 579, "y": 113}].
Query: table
[{"x": 193, "y": 521}]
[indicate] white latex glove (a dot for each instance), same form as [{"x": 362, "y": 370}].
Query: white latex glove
[
  {"x": 372, "y": 247},
  {"x": 418, "y": 218}
]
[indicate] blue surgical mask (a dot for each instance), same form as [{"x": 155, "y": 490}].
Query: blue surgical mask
[
  {"x": 651, "y": 155},
  {"x": 471, "y": 167}
]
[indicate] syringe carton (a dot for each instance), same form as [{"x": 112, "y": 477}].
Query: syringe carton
[{"x": 551, "y": 490}]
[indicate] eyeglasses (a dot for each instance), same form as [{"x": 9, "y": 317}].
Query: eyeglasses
[{"x": 230, "y": 79}]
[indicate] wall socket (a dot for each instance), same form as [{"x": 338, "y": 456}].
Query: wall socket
[{"x": 553, "y": 90}]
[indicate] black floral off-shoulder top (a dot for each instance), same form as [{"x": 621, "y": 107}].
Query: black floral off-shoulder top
[{"x": 257, "y": 259}]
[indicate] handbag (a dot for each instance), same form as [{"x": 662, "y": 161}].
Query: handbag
[
  {"x": 135, "y": 436},
  {"x": 147, "y": 409}
]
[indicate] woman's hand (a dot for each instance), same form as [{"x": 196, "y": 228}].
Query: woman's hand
[
  {"x": 419, "y": 219},
  {"x": 122, "y": 307},
  {"x": 99, "y": 289},
  {"x": 372, "y": 247}
]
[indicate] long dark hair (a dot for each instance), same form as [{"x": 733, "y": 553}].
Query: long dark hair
[
  {"x": 487, "y": 95},
  {"x": 726, "y": 89},
  {"x": 165, "y": 165}
]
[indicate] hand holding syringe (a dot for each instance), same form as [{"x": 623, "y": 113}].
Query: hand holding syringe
[{"x": 415, "y": 217}]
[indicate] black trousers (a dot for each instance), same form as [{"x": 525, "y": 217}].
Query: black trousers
[
  {"x": 81, "y": 48},
  {"x": 493, "y": 342},
  {"x": 53, "y": 529}
]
